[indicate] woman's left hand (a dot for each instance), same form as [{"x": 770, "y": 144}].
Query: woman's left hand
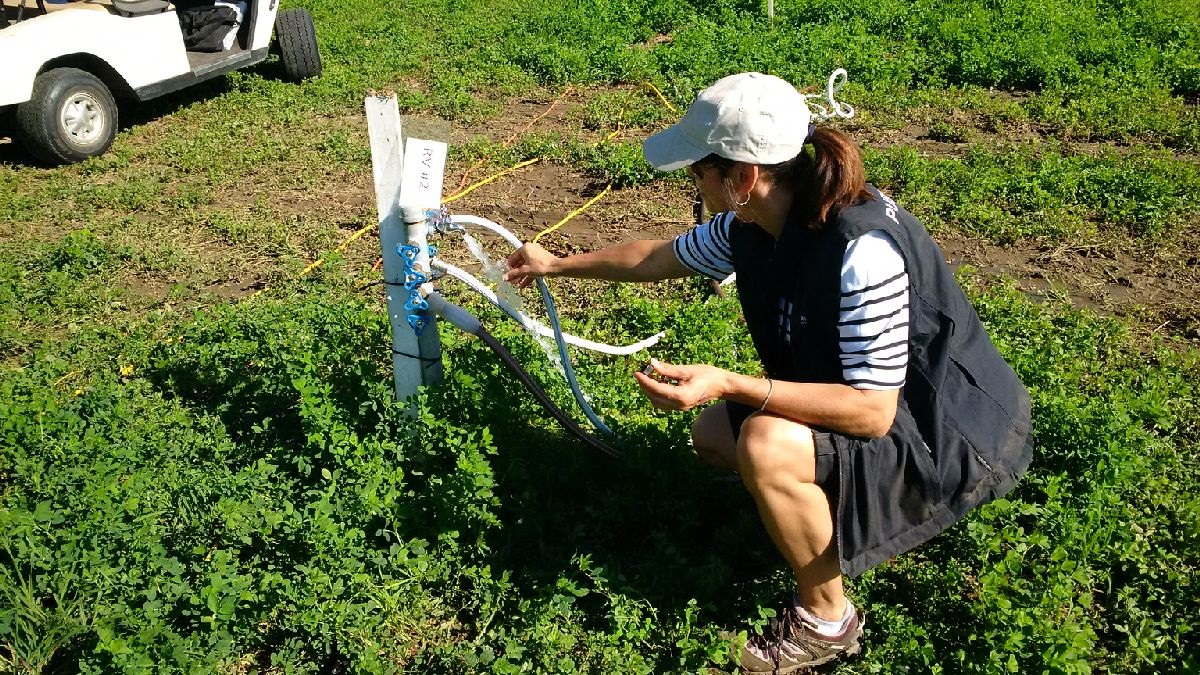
[{"x": 693, "y": 385}]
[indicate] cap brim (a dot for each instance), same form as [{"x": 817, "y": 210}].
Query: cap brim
[{"x": 668, "y": 150}]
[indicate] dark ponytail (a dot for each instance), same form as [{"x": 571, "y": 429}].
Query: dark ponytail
[{"x": 827, "y": 176}]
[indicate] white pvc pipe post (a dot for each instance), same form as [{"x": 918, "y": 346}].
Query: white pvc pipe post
[{"x": 415, "y": 361}]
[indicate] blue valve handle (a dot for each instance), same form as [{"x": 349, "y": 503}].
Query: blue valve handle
[
  {"x": 413, "y": 279},
  {"x": 418, "y": 319},
  {"x": 416, "y": 303}
]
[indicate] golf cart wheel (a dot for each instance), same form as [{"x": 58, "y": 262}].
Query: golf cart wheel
[
  {"x": 296, "y": 39},
  {"x": 70, "y": 117}
]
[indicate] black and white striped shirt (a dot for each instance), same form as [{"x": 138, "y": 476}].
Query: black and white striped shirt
[{"x": 873, "y": 322}]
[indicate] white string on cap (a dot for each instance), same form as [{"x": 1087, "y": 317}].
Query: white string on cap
[{"x": 836, "y": 108}]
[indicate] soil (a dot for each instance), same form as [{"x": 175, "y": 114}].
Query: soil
[
  {"x": 1151, "y": 287},
  {"x": 1153, "y": 290}
]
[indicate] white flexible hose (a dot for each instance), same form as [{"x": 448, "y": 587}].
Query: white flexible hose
[
  {"x": 836, "y": 108},
  {"x": 494, "y": 228},
  {"x": 531, "y": 324},
  {"x": 548, "y": 300}
]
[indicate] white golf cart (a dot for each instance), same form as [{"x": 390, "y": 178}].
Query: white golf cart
[{"x": 63, "y": 64}]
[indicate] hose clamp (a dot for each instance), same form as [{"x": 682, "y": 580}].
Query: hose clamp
[{"x": 439, "y": 221}]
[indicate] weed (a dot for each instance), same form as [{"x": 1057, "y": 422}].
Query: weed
[
  {"x": 944, "y": 131},
  {"x": 252, "y": 468},
  {"x": 621, "y": 164},
  {"x": 1035, "y": 191},
  {"x": 230, "y": 486}
]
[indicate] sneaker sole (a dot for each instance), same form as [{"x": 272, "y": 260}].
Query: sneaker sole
[{"x": 854, "y": 649}]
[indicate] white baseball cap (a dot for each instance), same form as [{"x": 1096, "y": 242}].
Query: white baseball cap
[{"x": 748, "y": 117}]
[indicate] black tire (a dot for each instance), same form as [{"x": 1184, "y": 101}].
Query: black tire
[
  {"x": 70, "y": 117},
  {"x": 296, "y": 38}
]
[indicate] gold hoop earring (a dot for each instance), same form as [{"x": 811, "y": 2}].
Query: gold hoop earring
[{"x": 741, "y": 204}]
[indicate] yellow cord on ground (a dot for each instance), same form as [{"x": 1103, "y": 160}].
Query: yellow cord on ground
[
  {"x": 515, "y": 134},
  {"x": 354, "y": 237},
  {"x": 341, "y": 247},
  {"x": 661, "y": 97},
  {"x": 485, "y": 181},
  {"x": 464, "y": 192},
  {"x": 572, "y": 214}
]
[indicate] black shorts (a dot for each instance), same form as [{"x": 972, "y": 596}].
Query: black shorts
[
  {"x": 824, "y": 450},
  {"x": 883, "y": 492}
]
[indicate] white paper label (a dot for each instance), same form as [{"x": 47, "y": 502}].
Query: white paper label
[{"x": 424, "y": 166}]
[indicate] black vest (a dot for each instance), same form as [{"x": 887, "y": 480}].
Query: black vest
[{"x": 964, "y": 401}]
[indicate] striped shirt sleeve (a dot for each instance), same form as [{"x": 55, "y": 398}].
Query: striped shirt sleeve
[
  {"x": 705, "y": 249},
  {"x": 873, "y": 318}
]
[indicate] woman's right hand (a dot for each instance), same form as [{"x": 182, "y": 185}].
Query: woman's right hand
[{"x": 528, "y": 263}]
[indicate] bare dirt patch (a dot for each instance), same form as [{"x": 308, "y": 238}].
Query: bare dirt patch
[
  {"x": 1153, "y": 289},
  {"x": 539, "y": 196},
  {"x": 531, "y": 114},
  {"x": 914, "y": 136},
  {"x": 555, "y": 112},
  {"x": 1150, "y": 287}
]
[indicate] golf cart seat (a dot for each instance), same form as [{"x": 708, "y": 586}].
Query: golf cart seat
[
  {"x": 100, "y": 5},
  {"x": 139, "y": 7}
]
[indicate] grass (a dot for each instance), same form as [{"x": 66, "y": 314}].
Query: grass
[
  {"x": 194, "y": 482},
  {"x": 1043, "y": 191},
  {"x": 277, "y": 504}
]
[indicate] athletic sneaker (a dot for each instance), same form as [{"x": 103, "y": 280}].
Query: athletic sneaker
[{"x": 794, "y": 644}]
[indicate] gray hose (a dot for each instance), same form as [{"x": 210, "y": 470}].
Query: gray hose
[
  {"x": 563, "y": 356},
  {"x": 470, "y": 324}
]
